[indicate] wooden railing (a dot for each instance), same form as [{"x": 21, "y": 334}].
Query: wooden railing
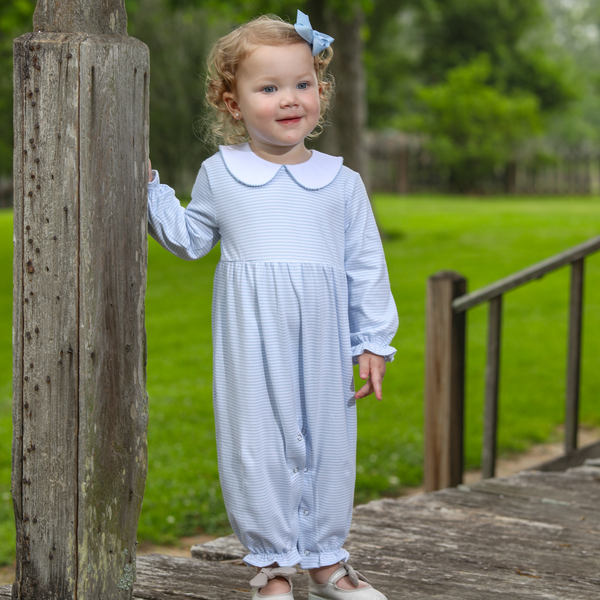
[{"x": 447, "y": 306}]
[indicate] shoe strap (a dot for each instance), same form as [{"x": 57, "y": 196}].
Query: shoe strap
[
  {"x": 353, "y": 575},
  {"x": 268, "y": 573}
]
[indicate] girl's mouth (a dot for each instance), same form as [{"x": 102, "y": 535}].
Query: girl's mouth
[{"x": 289, "y": 121}]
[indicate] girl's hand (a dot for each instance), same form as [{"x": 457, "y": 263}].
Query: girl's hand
[
  {"x": 150, "y": 176},
  {"x": 371, "y": 367}
]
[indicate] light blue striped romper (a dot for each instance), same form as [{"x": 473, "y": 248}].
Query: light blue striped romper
[{"x": 301, "y": 289}]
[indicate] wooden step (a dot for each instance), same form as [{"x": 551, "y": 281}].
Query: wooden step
[{"x": 532, "y": 536}]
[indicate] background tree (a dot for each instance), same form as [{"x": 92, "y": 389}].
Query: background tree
[
  {"x": 385, "y": 52},
  {"x": 178, "y": 40},
  {"x": 576, "y": 34},
  {"x": 458, "y": 31},
  {"x": 472, "y": 126},
  {"x": 345, "y": 21},
  {"x": 447, "y": 39},
  {"x": 392, "y": 51}
]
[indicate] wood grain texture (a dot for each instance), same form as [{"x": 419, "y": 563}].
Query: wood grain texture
[
  {"x": 444, "y": 381},
  {"x": 113, "y": 411},
  {"x": 531, "y": 536},
  {"x": 167, "y": 577},
  {"x": 81, "y": 16},
  {"x": 79, "y": 445},
  {"x": 21, "y": 68},
  {"x": 573, "y": 459},
  {"x": 46, "y": 271}
]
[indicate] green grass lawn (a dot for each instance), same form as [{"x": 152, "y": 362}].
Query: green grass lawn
[{"x": 484, "y": 239}]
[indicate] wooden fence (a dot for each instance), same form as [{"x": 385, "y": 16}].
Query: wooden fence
[
  {"x": 447, "y": 306},
  {"x": 402, "y": 166}
]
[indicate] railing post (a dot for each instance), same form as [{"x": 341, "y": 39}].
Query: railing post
[
  {"x": 444, "y": 381},
  {"x": 79, "y": 374},
  {"x": 492, "y": 381},
  {"x": 574, "y": 355}
]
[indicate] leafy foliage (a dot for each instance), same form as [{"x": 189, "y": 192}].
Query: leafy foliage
[
  {"x": 178, "y": 43},
  {"x": 472, "y": 126},
  {"x": 460, "y": 30},
  {"x": 577, "y": 35},
  {"x": 534, "y": 47},
  {"x": 392, "y": 51}
]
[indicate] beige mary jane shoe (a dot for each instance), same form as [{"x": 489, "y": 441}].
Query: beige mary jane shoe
[
  {"x": 268, "y": 573},
  {"x": 330, "y": 591}
]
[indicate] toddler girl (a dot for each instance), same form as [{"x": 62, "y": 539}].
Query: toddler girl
[{"x": 301, "y": 292}]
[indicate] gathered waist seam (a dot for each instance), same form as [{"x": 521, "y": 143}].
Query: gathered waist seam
[{"x": 282, "y": 262}]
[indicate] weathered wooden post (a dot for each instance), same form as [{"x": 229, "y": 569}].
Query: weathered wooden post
[
  {"x": 80, "y": 404},
  {"x": 444, "y": 381}
]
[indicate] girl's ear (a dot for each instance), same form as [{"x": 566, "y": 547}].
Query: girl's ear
[{"x": 232, "y": 105}]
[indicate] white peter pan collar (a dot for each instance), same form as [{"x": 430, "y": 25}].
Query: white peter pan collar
[{"x": 248, "y": 168}]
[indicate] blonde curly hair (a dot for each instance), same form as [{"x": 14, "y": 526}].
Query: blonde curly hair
[{"x": 224, "y": 61}]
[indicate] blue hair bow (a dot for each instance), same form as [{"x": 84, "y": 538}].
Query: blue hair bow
[{"x": 318, "y": 41}]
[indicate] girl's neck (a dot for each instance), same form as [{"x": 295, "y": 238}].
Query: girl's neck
[{"x": 281, "y": 155}]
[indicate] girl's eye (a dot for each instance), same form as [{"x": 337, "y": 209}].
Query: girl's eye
[
  {"x": 269, "y": 89},
  {"x": 302, "y": 86}
]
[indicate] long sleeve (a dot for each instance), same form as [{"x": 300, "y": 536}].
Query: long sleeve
[
  {"x": 190, "y": 232},
  {"x": 371, "y": 307}
]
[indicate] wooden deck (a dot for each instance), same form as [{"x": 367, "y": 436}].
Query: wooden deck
[{"x": 531, "y": 536}]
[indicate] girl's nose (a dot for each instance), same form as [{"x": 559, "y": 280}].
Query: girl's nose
[{"x": 288, "y": 99}]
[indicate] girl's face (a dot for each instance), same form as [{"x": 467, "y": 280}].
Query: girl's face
[{"x": 277, "y": 96}]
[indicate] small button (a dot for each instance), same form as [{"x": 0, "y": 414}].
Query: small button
[
  {"x": 306, "y": 553},
  {"x": 306, "y": 513},
  {"x": 296, "y": 469},
  {"x": 304, "y": 430},
  {"x": 299, "y": 437},
  {"x": 306, "y": 469}
]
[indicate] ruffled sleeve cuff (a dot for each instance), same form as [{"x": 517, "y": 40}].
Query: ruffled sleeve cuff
[
  {"x": 155, "y": 183},
  {"x": 375, "y": 346},
  {"x": 153, "y": 191}
]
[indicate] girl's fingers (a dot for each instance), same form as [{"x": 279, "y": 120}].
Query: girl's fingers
[
  {"x": 365, "y": 390},
  {"x": 363, "y": 366},
  {"x": 371, "y": 368},
  {"x": 376, "y": 380}
]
